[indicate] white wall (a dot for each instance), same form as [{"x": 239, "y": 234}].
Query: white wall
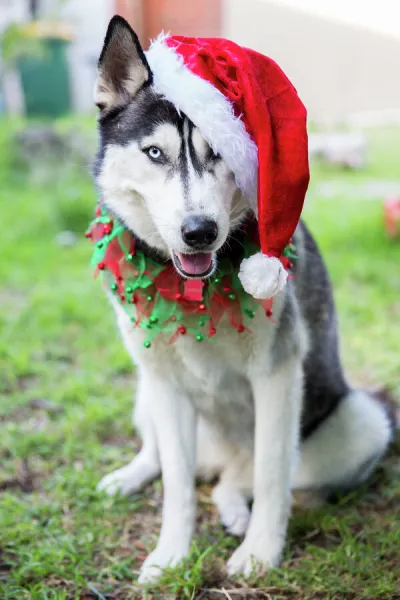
[
  {"x": 337, "y": 68},
  {"x": 12, "y": 10},
  {"x": 380, "y": 16},
  {"x": 90, "y": 18}
]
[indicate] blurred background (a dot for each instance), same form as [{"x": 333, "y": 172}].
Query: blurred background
[
  {"x": 65, "y": 378},
  {"x": 342, "y": 55}
]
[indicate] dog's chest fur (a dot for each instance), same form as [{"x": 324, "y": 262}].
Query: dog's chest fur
[{"x": 213, "y": 374}]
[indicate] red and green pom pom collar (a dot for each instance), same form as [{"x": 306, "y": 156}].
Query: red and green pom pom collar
[{"x": 158, "y": 300}]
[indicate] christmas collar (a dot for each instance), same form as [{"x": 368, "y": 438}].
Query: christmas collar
[{"x": 158, "y": 300}]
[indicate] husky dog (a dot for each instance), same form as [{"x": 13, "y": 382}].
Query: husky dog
[{"x": 264, "y": 412}]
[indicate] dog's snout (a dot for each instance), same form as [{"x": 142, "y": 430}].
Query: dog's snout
[{"x": 199, "y": 232}]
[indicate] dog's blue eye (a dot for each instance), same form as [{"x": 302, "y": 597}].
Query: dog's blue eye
[{"x": 154, "y": 152}]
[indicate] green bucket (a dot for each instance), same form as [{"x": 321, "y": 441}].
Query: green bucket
[{"x": 45, "y": 80}]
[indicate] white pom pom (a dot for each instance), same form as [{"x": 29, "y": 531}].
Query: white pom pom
[{"x": 262, "y": 276}]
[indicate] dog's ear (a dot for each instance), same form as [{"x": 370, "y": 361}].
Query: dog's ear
[{"x": 122, "y": 68}]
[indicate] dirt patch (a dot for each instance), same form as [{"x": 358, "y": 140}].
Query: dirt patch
[
  {"x": 121, "y": 441},
  {"x": 24, "y": 479},
  {"x": 20, "y": 383},
  {"x": 317, "y": 537},
  {"x": 34, "y": 413}
]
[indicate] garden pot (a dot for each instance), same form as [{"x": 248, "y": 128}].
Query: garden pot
[{"x": 45, "y": 78}]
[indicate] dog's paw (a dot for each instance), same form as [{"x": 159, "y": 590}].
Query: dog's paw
[
  {"x": 235, "y": 518},
  {"x": 233, "y": 509},
  {"x": 158, "y": 560},
  {"x": 117, "y": 482},
  {"x": 129, "y": 479},
  {"x": 251, "y": 559}
]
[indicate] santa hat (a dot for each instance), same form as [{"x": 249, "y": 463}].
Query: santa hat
[{"x": 250, "y": 114}]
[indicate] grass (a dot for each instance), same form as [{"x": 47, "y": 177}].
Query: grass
[{"x": 66, "y": 400}]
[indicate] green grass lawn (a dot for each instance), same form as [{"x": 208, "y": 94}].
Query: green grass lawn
[{"x": 66, "y": 387}]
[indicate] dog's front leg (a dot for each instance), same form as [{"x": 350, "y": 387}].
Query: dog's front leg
[
  {"x": 175, "y": 425},
  {"x": 277, "y": 398}
]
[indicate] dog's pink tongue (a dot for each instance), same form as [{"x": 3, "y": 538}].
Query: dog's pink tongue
[{"x": 196, "y": 264}]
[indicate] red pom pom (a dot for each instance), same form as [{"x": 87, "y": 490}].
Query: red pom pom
[{"x": 392, "y": 216}]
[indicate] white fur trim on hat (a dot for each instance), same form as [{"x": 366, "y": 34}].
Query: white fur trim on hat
[
  {"x": 262, "y": 276},
  {"x": 210, "y": 111}
]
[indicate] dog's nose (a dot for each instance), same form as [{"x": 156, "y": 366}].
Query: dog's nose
[{"x": 199, "y": 232}]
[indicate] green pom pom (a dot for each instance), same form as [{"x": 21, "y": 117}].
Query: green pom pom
[
  {"x": 149, "y": 298},
  {"x": 217, "y": 280},
  {"x": 232, "y": 297},
  {"x": 250, "y": 313},
  {"x": 153, "y": 319},
  {"x": 114, "y": 287},
  {"x": 202, "y": 322},
  {"x": 199, "y": 337},
  {"x": 130, "y": 257},
  {"x": 129, "y": 289},
  {"x": 99, "y": 244},
  {"x": 146, "y": 344}
]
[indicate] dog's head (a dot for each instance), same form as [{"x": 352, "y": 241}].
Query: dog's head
[{"x": 154, "y": 169}]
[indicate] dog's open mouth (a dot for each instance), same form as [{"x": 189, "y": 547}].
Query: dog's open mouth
[{"x": 197, "y": 265}]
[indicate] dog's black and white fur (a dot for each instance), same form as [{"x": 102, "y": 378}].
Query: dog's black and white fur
[{"x": 265, "y": 412}]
